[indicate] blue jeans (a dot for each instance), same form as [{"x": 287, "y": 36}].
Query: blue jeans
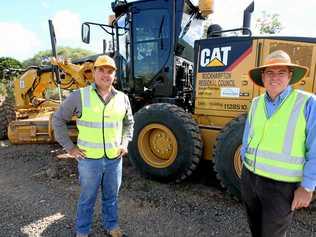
[{"x": 92, "y": 174}]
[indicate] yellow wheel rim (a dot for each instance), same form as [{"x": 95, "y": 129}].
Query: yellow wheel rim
[
  {"x": 237, "y": 162},
  {"x": 157, "y": 145}
]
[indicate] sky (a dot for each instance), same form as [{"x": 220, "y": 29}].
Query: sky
[{"x": 24, "y": 24}]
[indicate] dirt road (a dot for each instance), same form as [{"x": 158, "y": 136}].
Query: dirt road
[{"x": 34, "y": 204}]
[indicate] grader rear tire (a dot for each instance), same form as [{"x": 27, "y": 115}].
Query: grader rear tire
[
  {"x": 7, "y": 114},
  {"x": 166, "y": 145},
  {"x": 226, "y": 155}
]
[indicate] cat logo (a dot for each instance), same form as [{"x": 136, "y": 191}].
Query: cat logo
[{"x": 218, "y": 57}]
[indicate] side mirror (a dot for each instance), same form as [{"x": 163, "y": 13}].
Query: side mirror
[{"x": 85, "y": 33}]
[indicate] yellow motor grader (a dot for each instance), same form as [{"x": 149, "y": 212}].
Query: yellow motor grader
[{"x": 190, "y": 94}]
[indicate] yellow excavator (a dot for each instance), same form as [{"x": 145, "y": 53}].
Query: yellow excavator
[{"x": 38, "y": 93}]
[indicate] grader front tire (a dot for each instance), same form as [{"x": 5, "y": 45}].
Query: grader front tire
[{"x": 166, "y": 145}]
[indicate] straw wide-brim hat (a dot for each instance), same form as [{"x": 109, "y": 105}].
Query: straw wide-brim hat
[{"x": 278, "y": 58}]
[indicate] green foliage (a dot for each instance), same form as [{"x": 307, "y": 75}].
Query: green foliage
[
  {"x": 7, "y": 62},
  {"x": 42, "y": 57},
  {"x": 269, "y": 23}
]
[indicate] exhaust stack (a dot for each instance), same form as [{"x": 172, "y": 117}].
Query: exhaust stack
[{"x": 247, "y": 17}]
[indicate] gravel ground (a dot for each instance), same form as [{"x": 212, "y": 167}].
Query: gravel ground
[{"x": 38, "y": 198}]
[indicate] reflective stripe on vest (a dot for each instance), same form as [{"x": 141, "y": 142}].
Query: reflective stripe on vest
[
  {"x": 97, "y": 124},
  {"x": 100, "y": 126},
  {"x": 97, "y": 145},
  {"x": 278, "y": 153}
]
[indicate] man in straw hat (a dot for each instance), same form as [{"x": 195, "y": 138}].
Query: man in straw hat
[
  {"x": 279, "y": 147},
  {"x": 105, "y": 124}
]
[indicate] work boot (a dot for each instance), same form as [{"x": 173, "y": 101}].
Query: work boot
[{"x": 117, "y": 232}]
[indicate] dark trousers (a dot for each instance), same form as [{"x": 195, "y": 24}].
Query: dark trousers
[{"x": 268, "y": 204}]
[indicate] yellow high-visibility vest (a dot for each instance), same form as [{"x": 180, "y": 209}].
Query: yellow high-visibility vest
[
  {"x": 276, "y": 145},
  {"x": 100, "y": 126}
]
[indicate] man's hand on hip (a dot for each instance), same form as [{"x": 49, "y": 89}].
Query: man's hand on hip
[
  {"x": 77, "y": 153},
  {"x": 302, "y": 198},
  {"x": 123, "y": 151}
]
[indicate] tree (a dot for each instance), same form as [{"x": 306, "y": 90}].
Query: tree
[
  {"x": 5, "y": 86},
  {"x": 42, "y": 57},
  {"x": 269, "y": 23},
  {"x": 7, "y": 62}
]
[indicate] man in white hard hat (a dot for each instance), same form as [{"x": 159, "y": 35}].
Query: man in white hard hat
[
  {"x": 279, "y": 147},
  {"x": 105, "y": 125}
]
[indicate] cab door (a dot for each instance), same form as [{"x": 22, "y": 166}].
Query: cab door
[{"x": 150, "y": 43}]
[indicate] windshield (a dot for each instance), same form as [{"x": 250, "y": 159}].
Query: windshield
[
  {"x": 191, "y": 30},
  {"x": 191, "y": 26}
]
